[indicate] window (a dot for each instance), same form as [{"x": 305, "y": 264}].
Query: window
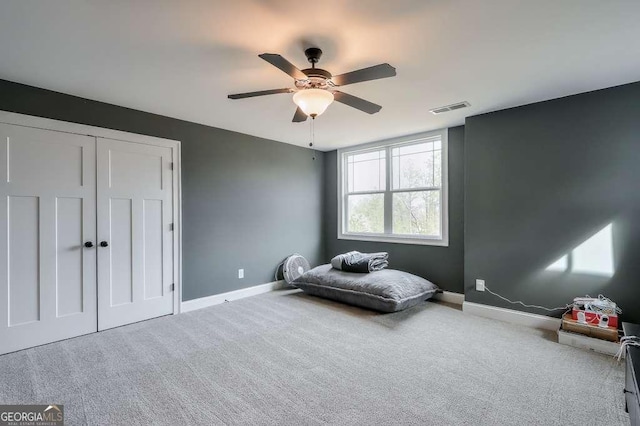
[{"x": 395, "y": 190}]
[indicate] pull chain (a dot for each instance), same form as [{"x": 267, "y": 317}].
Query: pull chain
[{"x": 312, "y": 136}]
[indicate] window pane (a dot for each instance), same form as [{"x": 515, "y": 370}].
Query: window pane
[
  {"x": 368, "y": 173},
  {"x": 414, "y": 148},
  {"x": 366, "y": 213},
  {"x": 417, "y": 213},
  {"x": 395, "y": 166},
  {"x": 437, "y": 168},
  {"x": 417, "y": 165}
]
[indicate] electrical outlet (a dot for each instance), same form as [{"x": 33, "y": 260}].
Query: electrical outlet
[
  {"x": 479, "y": 285},
  {"x": 240, "y": 273}
]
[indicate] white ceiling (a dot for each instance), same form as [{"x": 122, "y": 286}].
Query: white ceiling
[{"x": 182, "y": 58}]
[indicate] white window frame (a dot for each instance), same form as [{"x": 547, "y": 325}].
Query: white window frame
[{"x": 388, "y": 237}]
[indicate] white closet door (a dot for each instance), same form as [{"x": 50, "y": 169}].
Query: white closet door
[
  {"x": 47, "y": 214},
  {"x": 135, "y": 213}
]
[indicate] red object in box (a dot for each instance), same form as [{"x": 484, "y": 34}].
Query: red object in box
[{"x": 594, "y": 318}]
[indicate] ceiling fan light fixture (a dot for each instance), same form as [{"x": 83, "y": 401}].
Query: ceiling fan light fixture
[{"x": 313, "y": 102}]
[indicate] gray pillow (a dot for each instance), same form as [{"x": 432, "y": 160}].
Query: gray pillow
[{"x": 388, "y": 290}]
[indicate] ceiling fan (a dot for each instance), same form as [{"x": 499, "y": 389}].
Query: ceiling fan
[{"x": 315, "y": 88}]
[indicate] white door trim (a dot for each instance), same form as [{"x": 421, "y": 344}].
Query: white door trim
[{"x": 83, "y": 129}]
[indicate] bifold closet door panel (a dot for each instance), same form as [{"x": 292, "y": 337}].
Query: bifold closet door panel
[
  {"x": 47, "y": 214},
  {"x": 135, "y": 215}
]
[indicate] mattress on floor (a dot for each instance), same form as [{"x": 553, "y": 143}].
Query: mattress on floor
[{"x": 388, "y": 290}]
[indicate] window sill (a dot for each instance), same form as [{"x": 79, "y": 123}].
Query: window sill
[{"x": 444, "y": 242}]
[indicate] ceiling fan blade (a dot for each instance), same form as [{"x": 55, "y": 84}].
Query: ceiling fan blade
[
  {"x": 260, "y": 93},
  {"x": 299, "y": 116},
  {"x": 286, "y": 66},
  {"x": 366, "y": 74},
  {"x": 356, "y": 102}
]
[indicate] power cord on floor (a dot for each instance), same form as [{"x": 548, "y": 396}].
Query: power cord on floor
[
  {"x": 518, "y": 302},
  {"x": 627, "y": 341}
]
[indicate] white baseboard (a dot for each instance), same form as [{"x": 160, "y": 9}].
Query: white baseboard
[
  {"x": 216, "y": 299},
  {"x": 515, "y": 317},
  {"x": 450, "y": 297}
]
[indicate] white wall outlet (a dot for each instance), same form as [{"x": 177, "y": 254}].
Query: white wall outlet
[
  {"x": 241, "y": 274},
  {"x": 479, "y": 285}
]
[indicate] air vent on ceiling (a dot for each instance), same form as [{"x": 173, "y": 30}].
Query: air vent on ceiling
[{"x": 451, "y": 107}]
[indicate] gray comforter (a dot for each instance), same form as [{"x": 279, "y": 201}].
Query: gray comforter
[
  {"x": 386, "y": 291},
  {"x": 354, "y": 261}
]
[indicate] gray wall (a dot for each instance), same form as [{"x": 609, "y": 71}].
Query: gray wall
[
  {"x": 530, "y": 183},
  {"x": 247, "y": 202},
  {"x": 540, "y": 180},
  {"x": 443, "y": 266}
]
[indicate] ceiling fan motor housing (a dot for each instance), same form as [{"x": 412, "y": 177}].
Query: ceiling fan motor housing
[{"x": 317, "y": 78}]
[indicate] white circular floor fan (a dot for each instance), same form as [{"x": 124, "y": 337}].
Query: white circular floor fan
[{"x": 293, "y": 267}]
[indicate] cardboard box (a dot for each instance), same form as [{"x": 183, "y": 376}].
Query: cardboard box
[{"x": 608, "y": 333}]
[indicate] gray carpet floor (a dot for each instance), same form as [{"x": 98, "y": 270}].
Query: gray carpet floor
[{"x": 286, "y": 358}]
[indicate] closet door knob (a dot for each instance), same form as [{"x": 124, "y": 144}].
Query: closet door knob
[
  {"x": 104, "y": 244},
  {"x": 88, "y": 244}
]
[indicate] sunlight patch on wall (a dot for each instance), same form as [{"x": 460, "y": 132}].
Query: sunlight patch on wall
[
  {"x": 560, "y": 265},
  {"x": 593, "y": 257}
]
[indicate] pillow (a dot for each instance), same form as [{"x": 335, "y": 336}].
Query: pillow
[{"x": 388, "y": 290}]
